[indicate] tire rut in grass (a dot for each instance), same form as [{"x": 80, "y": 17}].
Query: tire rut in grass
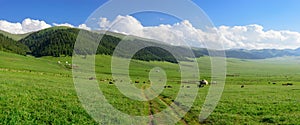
[
  {"x": 172, "y": 107},
  {"x": 151, "y": 113}
]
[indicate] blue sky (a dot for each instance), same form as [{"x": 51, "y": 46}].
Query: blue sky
[
  {"x": 247, "y": 24},
  {"x": 272, "y": 14},
  {"x": 52, "y": 11}
]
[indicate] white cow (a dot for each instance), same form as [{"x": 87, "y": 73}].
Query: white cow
[{"x": 202, "y": 83}]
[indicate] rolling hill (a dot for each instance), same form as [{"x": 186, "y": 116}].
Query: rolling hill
[
  {"x": 9, "y": 45},
  {"x": 42, "y": 91},
  {"x": 59, "y": 41},
  {"x": 262, "y": 53},
  {"x": 14, "y": 36}
]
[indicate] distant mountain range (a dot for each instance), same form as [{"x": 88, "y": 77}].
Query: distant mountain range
[
  {"x": 262, "y": 53},
  {"x": 59, "y": 41}
]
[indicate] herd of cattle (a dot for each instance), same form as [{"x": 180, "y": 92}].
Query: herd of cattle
[
  {"x": 284, "y": 84},
  {"x": 200, "y": 83},
  {"x": 274, "y": 83}
]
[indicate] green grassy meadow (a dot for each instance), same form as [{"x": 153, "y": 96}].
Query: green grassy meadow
[
  {"x": 41, "y": 91},
  {"x": 14, "y": 36}
]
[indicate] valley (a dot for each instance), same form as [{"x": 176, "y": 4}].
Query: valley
[{"x": 39, "y": 91}]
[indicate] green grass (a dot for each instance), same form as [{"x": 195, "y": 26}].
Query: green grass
[
  {"x": 14, "y": 36},
  {"x": 41, "y": 91}
]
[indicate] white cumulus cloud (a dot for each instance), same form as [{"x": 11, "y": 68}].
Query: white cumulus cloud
[
  {"x": 247, "y": 37},
  {"x": 31, "y": 25},
  {"x": 28, "y": 25},
  {"x": 64, "y": 24},
  {"x": 255, "y": 37},
  {"x": 81, "y": 26},
  {"x": 84, "y": 26}
]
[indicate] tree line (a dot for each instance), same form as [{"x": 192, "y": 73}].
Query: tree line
[{"x": 59, "y": 42}]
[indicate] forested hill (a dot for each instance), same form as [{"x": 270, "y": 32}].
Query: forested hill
[
  {"x": 9, "y": 45},
  {"x": 51, "y": 42},
  {"x": 59, "y": 41}
]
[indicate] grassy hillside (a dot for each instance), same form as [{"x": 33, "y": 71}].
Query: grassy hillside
[
  {"x": 15, "y": 37},
  {"x": 9, "y": 45},
  {"x": 59, "y": 41},
  {"x": 37, "y": 91},
  {"x": 41, "y": 91}
]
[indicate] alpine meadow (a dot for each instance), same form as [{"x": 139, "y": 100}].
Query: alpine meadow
[
  {"x": 149, "y": 62},
  {"x": 37, "y": 86}
]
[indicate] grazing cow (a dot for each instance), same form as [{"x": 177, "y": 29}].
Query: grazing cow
[
  {"x": 92, "y": 78},
  {"x": 242, "y": 86},
  {"x": 167, "y": 86},
  {"x": 274, "y": 83},
  {"x": 202, "y": 83},
  {"x": 288, "y": 84},
  {"x": 136, "y": 81},
  {"x": 111, "y": 82}
]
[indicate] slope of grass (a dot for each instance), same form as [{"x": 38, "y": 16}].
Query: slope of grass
[
  {"x": 9, "y": 45},
  {"x": 41, "y": 91},
  {"x": 37, "y": 91},
  {"x": 14, "y": 36}
]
